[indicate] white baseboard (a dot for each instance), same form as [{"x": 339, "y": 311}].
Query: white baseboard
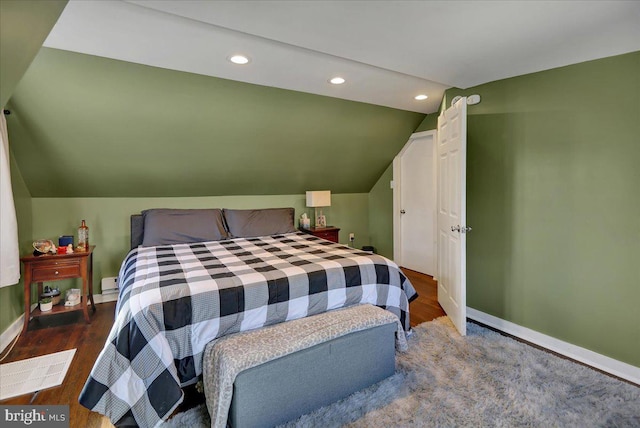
[
  {"x": 11, "y": 332},
  {"x": 583, "y": 355},
  {"x": 103, "y": 298},
  {"x": 15, "y": 328}
]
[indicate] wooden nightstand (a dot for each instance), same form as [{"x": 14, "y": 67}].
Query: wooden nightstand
[
  {"x": 329, "y": 233},
  {"x": 52, "y": 268}
]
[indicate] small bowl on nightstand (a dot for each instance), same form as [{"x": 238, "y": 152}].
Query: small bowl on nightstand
[{"x": 44, "y": 246}]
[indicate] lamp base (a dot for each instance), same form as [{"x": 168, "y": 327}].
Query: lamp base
[{"x": 321, "y": 220}]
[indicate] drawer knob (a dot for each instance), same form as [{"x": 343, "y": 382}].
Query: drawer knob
[{"x": 57, "y": 272}]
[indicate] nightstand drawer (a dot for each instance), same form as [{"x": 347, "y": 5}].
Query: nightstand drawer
[
  {"x": 50, "y": 273},
  {"x": 329, "y": 233},
  {"x": 329, "y": 236}
]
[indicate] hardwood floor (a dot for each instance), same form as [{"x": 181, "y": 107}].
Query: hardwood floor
[
  {"x": 426, "y": 306},
  {"x": 59, "y": 333},
  {"x": 67, "y": 331}
]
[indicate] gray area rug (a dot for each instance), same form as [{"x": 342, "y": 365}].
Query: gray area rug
[{"x": 481, "y": 380}]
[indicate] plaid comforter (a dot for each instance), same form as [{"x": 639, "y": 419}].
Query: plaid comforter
[{"x": 175, "y": 299}]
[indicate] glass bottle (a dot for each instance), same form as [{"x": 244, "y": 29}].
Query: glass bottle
[{"x": 83, "y": 237}]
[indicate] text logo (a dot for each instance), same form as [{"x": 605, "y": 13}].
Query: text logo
[{"x": 35, "y": 416}]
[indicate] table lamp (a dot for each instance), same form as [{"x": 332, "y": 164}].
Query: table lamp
[{"x": 318, "y": 199}]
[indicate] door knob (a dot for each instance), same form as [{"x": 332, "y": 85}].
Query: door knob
[
  {"x": 402, "y": 211},
  {"x": 455, "y": 228},
  {"x": 465, "y": 229}
]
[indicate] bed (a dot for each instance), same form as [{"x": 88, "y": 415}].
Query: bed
[{"x": 193, "y": 276}]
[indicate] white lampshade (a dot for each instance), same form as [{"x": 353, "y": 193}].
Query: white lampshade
[{"x": 319, "y": 198}]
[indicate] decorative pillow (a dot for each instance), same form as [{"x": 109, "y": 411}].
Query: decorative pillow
[
  {"x": 263, "y": 222},
  {"x": 165, "y": 226}
]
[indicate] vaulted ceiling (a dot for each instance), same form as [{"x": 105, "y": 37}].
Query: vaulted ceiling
[
  {"x": 388, "y": 51},
  {"x": 82, "y": 125},
  {"x": 138, "y": 98}
]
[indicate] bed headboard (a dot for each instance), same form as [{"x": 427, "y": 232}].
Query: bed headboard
[{"x": 137, "y": 230}]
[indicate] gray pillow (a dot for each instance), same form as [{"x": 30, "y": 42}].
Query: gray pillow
[
  {"x": 264, "y": 222},
  {"x": 165, "y": 226}
]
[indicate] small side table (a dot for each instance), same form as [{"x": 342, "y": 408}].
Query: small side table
[
  {"x": 55, "y": 267},
  {"x": 329, "y": 233}
]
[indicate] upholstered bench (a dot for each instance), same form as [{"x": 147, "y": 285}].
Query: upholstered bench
[{"x": 272, "y": 375}]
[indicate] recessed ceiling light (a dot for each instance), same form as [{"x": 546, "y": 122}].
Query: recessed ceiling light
[
  {"x": 421, "y": 97},
  {"x": 337, "y": 81},
  {"x": 239, "y": 59}
]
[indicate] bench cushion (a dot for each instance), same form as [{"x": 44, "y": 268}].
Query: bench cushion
[{"x": 226, "y": 358}]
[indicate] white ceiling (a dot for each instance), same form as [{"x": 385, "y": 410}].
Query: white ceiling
[{"x": 388, "y": 51}]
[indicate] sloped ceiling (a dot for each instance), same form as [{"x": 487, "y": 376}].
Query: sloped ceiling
[
  {"x": 388, "y": 51},
  {"x": 24, "y": 26},
  {"x": 85, "y": 126},
  {"x": 130, "y": 98}
]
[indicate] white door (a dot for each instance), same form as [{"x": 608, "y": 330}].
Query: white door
[
  {"x": 451, "y": 221},
  {"x": 415, "y": 205}
]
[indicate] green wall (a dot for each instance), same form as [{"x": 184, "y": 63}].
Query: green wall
[
  {"x": 381, "y": 214},
  {"x": 429, "y": 123},
  {"x": 107, "y": 128},
  {"x": 96, "y": 138},
  {"x": 552, "y": 195},
  {"x": 552, "y": 172},
  {"x": 24, "y": 26},
  {"x": 108, "y": 220},
  {"x": 100, "y": 139}
]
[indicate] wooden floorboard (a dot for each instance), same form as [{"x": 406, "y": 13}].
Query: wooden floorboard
[
  {"x": 426, "y": 306},
  {"x": 57, "y": 333},
  {"x": 67, "y": 331}
]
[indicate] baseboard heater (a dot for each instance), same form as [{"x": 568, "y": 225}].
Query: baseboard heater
[{"x": 110, "y": 286}]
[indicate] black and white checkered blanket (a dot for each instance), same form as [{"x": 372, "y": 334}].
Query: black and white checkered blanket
[{"x": 175, "y": 299}]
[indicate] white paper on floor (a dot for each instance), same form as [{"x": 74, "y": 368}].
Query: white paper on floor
[{"x": 34, "y": 374}]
